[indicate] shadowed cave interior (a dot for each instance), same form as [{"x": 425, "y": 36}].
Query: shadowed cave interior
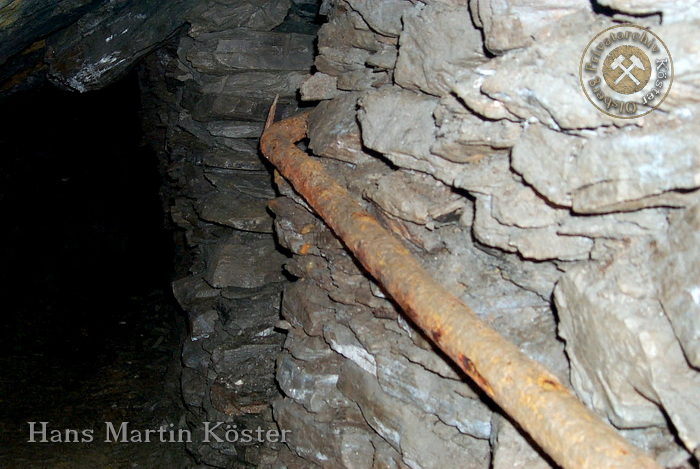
[
  {"x": 91, "y": 330},
  {"x": 161, "y": 281}
]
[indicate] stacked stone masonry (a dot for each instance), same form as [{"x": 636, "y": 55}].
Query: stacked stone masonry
[
  {"x": 206, "y": 96},
  {"x": 462, "y": 126}
]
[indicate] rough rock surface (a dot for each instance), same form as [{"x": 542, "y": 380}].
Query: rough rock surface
[
  {"x": 462, "y": 126},
  {"x": 639, "y": 367},
  {"x": 80, "y": 45},
  {"x": 672, "y": 11},
  {"x": 679, "y": 291},
  {"x": 24, "y": 22},
  {"x": 513, "y": 191},
  {"x": 107, "y": 41},
  {"x": 512, "y": 24},
  {"x": 205, "y": 100}
]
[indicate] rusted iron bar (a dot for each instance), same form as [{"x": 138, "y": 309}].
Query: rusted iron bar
[{"x": 571, "y": 434}]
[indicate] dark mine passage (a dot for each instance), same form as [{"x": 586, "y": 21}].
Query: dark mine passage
[
  {"x": 470, "y": 264},
  {"x": 89, "y": 332}
]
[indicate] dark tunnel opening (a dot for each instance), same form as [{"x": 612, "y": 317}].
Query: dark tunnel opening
[
  {"x": 139, "y": 251},
  {"x": 90, "y": 332},
  {"x": 81, "y": 196},
  {"x": 84, "y": 229}
]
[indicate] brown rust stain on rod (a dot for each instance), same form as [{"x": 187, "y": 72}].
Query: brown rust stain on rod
[{"x": 571, "y": 434}]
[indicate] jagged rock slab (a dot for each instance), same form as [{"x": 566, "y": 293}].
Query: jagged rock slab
[
  {"x": 202, "y": 320},
  {"x": 344, "y": 342},
  {"x": 533, "y": 243},
  {"x": 414, "y": 197},
  {"x": 626, "y": 360},
  {"x": 239, "y": 211},
  {"x": 183, "y": 214},
  {"x": 384, "y": 59},
  {"x": 319, "y": 86},
  {"x": 402, "y": 426},
  {"x": 195, "y": 357},
  {"x": 398, "y": 124},
  {"x": 512, "y": 80},
  {"x": 192, "y": 288},
  {"x": 104, "y": 44},
  {"x": 679, "y": 288},
  {"x": 548, "y": 176},
  {"x": 363, "y": 79},
  {"x": 345, "y": 43},
  {"x": 434, "y": 395},
  {"x": 212, "y": 107},
  {"x": 235, "y": 100},
  {"x": 532, "y": 328},
  {"x": 194, "y": 387},
  {"x": 288, "y": 460},
  {"x": 509, "y": 24},
  {"x": 255, "y": 316},
  {"x": 251, "y": 83},
  {"x": 222, "y": 131},
  {"x": 537, "y": 277},
  {"x": 235, "y": 50},
  {"x": 625, "y": 171},
  {"x": 616, "y": 225},
  {"x": 639, "y": 165},
  {"x": 334, "y": 441},
  {"x": 672, "y": 11},
  {"x": 683, "y": 101},
  {"x": 235, "y": 129},
  {"x": 334, "y": 132},
  {"x": 264, "y": 84},
  {"x": 24, "y": 22},
  {"x": 297, "y": 229},
  {"x": 307, "y": 306},
  {"x": 305, "y": 347},
  {"x": 224, "y": 154},
  {"x": 217, "y": 15},
  {"x": 245, "y": 158},
  {"x": 514, "y": 204},
  {"x": 464, "y": 137},
  {"x": 428, "y": 57},
  {"x": 311, "y": 383},
  {"x": 252, "y": 183},
  {"x": 246, "y": 359},
  {"x": 245, "y": 261},
  {"x": 246, "y": 383},
  {"x": 383, "y": 17}
]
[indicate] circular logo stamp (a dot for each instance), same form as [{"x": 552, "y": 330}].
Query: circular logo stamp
[{"x": 626, "y": 71}]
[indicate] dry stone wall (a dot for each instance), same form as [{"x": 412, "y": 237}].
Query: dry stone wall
[
  {"x": 205, "y": 99},
  {"x": 462, "y": 126}
]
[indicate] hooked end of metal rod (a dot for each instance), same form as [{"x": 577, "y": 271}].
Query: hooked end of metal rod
[{"x": 271, "y": 113}]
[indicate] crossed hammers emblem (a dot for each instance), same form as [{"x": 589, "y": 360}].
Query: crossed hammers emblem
[{"x": 627, "y": 71}]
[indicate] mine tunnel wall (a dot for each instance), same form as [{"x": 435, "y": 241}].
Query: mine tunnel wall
[
  {"x": 462, "y": 127},
  {"x": 205, "y": 98}
]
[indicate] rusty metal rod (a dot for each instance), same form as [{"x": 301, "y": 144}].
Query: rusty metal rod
[{"x": 571, "y": 434}]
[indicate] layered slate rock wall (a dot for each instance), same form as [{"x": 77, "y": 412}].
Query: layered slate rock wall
[
  {"x": 462, "y": 126},
  {"x": 205, "y": 99},
  {"x": 80, "y": 45}
]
